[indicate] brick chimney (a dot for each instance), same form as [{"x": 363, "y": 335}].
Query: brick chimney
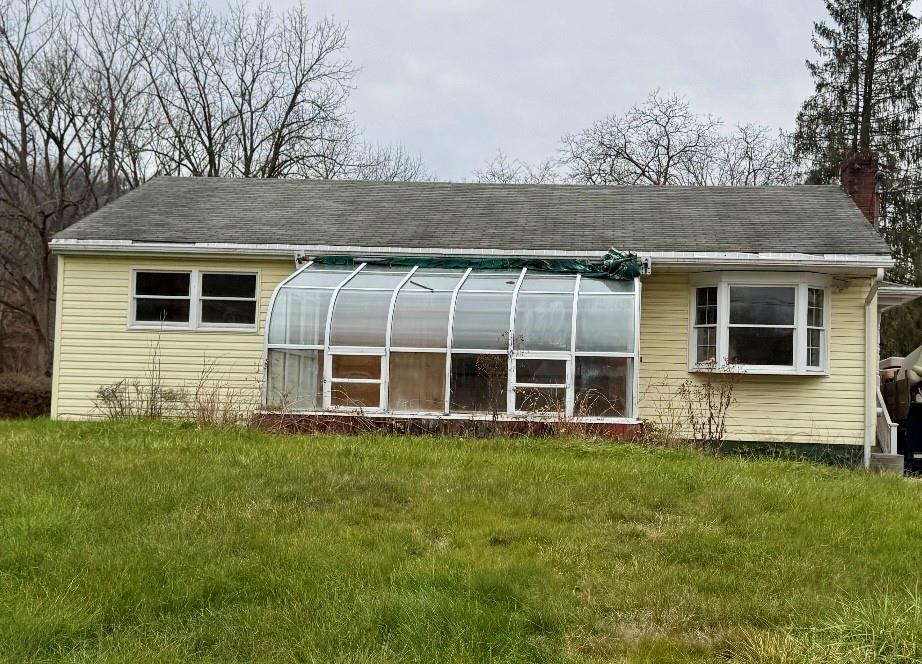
[{"x": 858, "y": 175}]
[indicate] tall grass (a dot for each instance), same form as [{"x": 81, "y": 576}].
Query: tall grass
[
  {"x": 162, "y": 541},
  {"x": 885, "y": 628}
]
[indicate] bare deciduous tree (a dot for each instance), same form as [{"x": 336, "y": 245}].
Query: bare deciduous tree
[
  {"x": 246, "y": 94},
  {"x": 96, "y": 96},
  {"x": 504, "y": 170},
  {"x": 664, "y": 142},
  {"x": 49, "y": 149},
  {"x": 385, "y": 163}
]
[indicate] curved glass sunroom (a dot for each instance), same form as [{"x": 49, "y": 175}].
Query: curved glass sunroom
[{"x": 424, "y": 341}]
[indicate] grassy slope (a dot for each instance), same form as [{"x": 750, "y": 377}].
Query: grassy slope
[{"x": 157, "y": 541}]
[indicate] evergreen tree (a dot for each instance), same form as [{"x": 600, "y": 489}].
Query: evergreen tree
[
  {"x": 867, "y": 99},
  {"x": 867, "y": 88}
]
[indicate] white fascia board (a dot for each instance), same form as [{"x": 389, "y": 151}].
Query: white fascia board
[
  {"x": 715, "y": 258},
  {"x": 659, "y": 258}
]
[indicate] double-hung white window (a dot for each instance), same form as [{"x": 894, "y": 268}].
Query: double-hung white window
[
  {"x": 193, "y": 299},
  {"x": 705, "y": 325},
  {"x": 760, "y": 324}
]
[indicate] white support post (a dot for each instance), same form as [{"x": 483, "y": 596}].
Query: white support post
[
  {"x": 571, "y": 365},
  {"x": 386, "y": 360},
  {"x": 450, "y": 339},
  {"x": 327, "y": 358},
  {"x": 871, "y": 362},
  {"x": 510, "y": 370}
]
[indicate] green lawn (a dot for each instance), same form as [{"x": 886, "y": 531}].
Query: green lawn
[{"x": 162, "y": 542}]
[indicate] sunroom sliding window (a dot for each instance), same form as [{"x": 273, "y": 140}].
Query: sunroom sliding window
[
  {"x": 419, "y": 340},
  {"x": 773, "y": 325}
]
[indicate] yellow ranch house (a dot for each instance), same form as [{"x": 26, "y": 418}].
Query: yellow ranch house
[{"x": 466, "y": 301}]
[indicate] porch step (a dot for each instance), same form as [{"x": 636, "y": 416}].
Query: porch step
[{"x": 887, "y": 463}]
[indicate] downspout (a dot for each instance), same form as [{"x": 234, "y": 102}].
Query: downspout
[{"x": 871, "y": 363}]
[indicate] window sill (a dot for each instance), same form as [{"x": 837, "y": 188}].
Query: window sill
[
  {"x": 738, "y": 370},
  {"x": 136, "y": 327}
]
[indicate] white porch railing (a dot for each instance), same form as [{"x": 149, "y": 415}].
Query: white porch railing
[{"x": 886, "y": 428}]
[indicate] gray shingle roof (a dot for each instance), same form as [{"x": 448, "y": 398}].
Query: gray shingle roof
[{"x": 806, "y": 219}]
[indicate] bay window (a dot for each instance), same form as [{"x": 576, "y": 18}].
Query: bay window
[{"x": 762, "y": 324}]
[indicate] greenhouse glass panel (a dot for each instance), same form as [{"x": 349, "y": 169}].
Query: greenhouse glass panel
[
  {"x": 478, "y": 383},
  {"x": 541, "y": 400},
  {"x": 365, "y": 367},
  {"x": 317, "y": 277},
  {"x": 299, "y": 317},
  {"x": 356, "y": 395},
  {"x": 383, "y": 278},
  {"x": 482, "y": 321},
  {"x": 421, "y": 319},
  {"x": 360, "y": 318},
  {"x": 491, "y": 282},
  {"x": 430, "y": 280},
  {"x": 549, "y": 283},
  {"x": 543, "y": 321},
  {"x": 540, "y": 370},
  {"x": 597, "y": 285},
  {"x": 605, "y": 324},
  {"x": 295, "y": 379},
  {"x": 417, "y": 382},
  {"x": 603, "y": 386}
]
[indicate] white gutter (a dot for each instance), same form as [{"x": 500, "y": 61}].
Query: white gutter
[
  {"x": 663, "y": 259},
  {"x": 871, "y": 362}
]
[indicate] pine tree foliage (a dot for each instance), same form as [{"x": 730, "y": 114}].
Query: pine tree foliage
[
  {"x": 867, "y": 88},
  {"x": 868, "y": 91}
]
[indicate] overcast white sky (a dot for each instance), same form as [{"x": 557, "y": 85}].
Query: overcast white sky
[{"x": 456, "y": 80}]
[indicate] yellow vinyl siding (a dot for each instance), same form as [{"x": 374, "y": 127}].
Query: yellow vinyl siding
[
  {"x": 808, "y": 409},
  {"x": 95, "y": 347}
]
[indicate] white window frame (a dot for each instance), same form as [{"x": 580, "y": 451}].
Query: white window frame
[
  {"x": 195, "y": 302},
  {"x": 329, "y": 380},
  {"x": 567, "y": 386},
  {"x": 133, "y": 298},
  {"x": 823, "y": 330},
  {"x": 801, "y": 283},
  {"x": 696, "y": 326},
  {"x": 228, "y": 326}
]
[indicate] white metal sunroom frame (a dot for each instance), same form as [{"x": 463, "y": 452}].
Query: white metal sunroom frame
[{"x": 330, "y": 349}]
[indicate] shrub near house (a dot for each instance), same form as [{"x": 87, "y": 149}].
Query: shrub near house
[{"x": 22, "y": 395}]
